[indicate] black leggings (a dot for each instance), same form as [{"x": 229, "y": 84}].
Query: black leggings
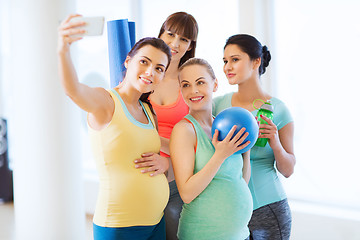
[
  {"x": 271, "y": 222},
  {"x": 172, "y": 212}
]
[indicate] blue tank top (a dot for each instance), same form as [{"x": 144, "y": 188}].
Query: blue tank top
[
  {"x": 264, "y": 184},
  {"x": 224, "y": 208}
]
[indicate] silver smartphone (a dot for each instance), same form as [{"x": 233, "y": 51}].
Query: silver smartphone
[{"x": 94, "y": 25}]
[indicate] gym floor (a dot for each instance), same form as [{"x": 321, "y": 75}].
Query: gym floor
[{"x": 7, "y": 223}]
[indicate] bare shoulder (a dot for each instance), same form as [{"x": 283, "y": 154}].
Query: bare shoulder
[
  {"x": 105, "y": 103},
  {"x": 182, "y": 142},
  {"x": 104, "y": 92},
  {"x": 183, "y": 131},
  {"x": 183, "y": 127},
  {"x": 103, "y": 110}
]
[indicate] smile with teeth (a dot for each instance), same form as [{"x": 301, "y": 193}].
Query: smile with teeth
[
  {"x": 145, "y": 80},
  {"x": 196, "y": 99},
  {"x": 173, "y": 51}
]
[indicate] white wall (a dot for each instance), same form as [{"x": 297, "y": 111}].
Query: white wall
[{"x": 318, "y": 222}]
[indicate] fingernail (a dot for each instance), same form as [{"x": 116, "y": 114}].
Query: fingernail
[
  {"x": 136, "y": 166},
  {"x": 142, "y": 171}
]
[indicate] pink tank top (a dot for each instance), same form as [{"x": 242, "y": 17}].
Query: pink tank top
[{"x": 169, "y": 115}]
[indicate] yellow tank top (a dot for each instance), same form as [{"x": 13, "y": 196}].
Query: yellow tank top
[{"x": 126, "y": 196}]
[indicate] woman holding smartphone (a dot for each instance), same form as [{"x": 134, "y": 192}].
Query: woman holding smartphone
[{"x": 122, "y": 126}]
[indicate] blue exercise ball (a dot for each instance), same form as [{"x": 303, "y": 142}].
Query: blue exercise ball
[{"x": 240, "y": 117}]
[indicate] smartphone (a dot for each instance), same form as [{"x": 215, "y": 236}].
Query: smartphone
[{"x": 94, "y": 25}]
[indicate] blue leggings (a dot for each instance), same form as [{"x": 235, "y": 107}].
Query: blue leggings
[
  {"x": 271, "y": 222},
  {"x": 156, "y": 232}
]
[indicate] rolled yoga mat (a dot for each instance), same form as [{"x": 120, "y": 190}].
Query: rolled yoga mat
[{"x": 121, "y": 38}]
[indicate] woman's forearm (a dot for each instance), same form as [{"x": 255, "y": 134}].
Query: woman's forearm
[
  {"x": 199, "y": 181},
  {"x": 165, "y": 145}
]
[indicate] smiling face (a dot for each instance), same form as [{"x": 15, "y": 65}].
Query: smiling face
[
  {"x": 197, "y": 87},
  {"x": 184, "y": 25},
  {"x": 178, "y": 44},
  {"x": 146, "y": 68},
  {"x": 238, "y": 67}
]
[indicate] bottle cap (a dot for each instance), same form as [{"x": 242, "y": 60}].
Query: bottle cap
[{"x": 267, "y": 106}]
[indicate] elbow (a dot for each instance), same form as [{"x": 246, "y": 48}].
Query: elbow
[
  {"x": 288, "y": 172},
  {"x": 288, "y": 169},
  {"x": 187, "y": 199},
  {"x": 68, "y": 93},
  {"x": 71, "y": 93}
]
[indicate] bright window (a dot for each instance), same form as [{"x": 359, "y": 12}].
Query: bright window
[{"x": 318, "y": 58}]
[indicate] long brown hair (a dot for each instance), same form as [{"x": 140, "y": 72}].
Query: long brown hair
[
  {"x": 185, "y": 25},
  {"x": 156, "y": 43}
]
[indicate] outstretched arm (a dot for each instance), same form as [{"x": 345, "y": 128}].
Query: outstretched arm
[
  {"x": 96, "y": 101},
  {"x": 165, "y": 145}
]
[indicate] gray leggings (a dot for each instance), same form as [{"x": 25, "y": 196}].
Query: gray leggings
[
  {"x": 271, "y": 222},
  {"x": 172, "y": 212}
]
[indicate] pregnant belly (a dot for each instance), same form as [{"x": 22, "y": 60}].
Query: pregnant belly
[
  {"x": 223, "y": 203},
  {"x": 133, "y": 200}
]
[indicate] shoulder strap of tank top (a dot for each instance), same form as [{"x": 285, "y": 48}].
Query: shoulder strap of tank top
[
  {"x": 194, "y": 130},
  {"x": 149, "y": 113}
]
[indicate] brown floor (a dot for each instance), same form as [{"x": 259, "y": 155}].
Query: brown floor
[{"x": 7, "y": 221}]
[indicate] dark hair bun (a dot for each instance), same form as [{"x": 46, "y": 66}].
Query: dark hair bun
[
  {"x": 266, "y": 56},
  {"x": 253, "y": 48},
  {"x": 265, "y": 59}
]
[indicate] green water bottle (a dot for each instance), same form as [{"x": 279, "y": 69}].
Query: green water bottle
[{"x": 266, "y": 110}]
